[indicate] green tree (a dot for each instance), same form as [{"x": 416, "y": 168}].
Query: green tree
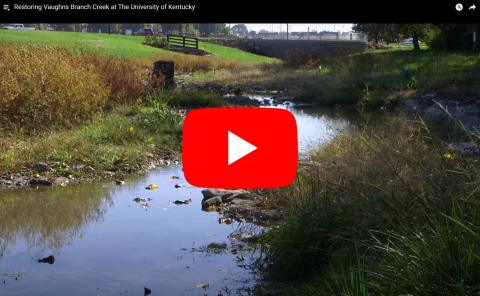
[
  {"x": 456, "y": 36},
  {"x": 239, "y": 29},
  {"x": 157, "y": 28},
  {"x": 378, "y": 31}
]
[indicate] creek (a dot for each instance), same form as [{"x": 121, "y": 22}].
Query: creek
[{"x": 105, "y": 243}]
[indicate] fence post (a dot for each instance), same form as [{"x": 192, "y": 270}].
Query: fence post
[
  {"x": 350, "y": 36},
  {"x": 165, "y": 68},
  {"x": 183, "y": 41}
]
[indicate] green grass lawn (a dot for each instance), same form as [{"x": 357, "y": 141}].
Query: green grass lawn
[{"x": 128, "y": 46}]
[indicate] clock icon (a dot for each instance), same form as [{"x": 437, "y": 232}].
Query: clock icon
[{"x": 459, "y": 7}]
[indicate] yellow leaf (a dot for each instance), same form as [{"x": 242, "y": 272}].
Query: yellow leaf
[
  {"x": 448, "y": 156},
  {"x": 131, "y": 128}
]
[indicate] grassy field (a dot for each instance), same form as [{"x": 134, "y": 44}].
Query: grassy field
[{"x": 127, "y": 46}]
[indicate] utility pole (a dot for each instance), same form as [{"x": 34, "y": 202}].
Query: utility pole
[{"x": 287, "y": 31}]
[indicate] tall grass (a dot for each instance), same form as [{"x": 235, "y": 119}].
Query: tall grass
[
  {"x": 379, "y": 78},
  {"x": 385, "y": 210},
  {"x": 185, "y": 98},
  {"x": 45, "y": 85}
]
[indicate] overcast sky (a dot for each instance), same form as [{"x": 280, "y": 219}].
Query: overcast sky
[{"x": 299, "y": 27}]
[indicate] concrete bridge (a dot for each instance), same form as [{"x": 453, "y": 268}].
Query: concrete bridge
[{"x": 277, "y": 48}]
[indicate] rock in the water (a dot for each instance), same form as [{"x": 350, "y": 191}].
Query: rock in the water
[
  {"x": 180, "y": 202},
  {"x": 223, "y": 193},
  {"x": 234, "y": 197},
  {"x": 50, "y": 259},
  {"x": 211, "y": 202},
  {"x": 40, "y": 182},
  {"x": 40, "y": 167},
  {"x": 147, "y": 291}
]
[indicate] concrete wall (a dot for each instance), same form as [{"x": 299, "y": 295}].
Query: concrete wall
[{"x": 277, "y": 48}]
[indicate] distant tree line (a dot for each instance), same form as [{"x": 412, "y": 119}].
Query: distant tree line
[
  {"x": 436, "y": 35},
  {"x": 190, "y": 29}
]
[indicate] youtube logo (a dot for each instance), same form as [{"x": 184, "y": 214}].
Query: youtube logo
[{"x": 240, "y": 148}]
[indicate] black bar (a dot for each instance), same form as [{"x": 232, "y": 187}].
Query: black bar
[{"x": 196, "y": 12}]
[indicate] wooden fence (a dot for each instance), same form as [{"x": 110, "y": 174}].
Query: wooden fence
[{"x": 181, "y": 41}]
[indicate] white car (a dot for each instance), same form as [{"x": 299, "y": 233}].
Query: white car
[
  {"x": 410, "y": 41},
  {"x": 18, "y": 27}
]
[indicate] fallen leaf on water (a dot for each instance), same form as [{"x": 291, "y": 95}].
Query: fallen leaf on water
[
  {"x": 174, "y": 177},
  {"x": 22, "y": 257},
  {"x": 211, "y": 234},
  {"x": 234, "y": 251},
  {"x": 204, "y": 286},
  {"x": 151, "y": 187}
]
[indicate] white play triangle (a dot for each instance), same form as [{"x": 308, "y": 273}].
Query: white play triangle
[{"x": 237, "y": 148}]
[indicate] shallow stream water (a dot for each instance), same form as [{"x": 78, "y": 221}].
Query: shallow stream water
[{"x": 104, "y": 243}]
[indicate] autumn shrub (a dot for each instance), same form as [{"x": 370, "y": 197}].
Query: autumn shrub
[{"x": 45, "y": 85}]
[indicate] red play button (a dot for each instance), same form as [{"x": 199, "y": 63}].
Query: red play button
[{"x": 240, "y": 148}]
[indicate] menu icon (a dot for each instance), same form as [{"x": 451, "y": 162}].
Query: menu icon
[{"x": 6, "y": 7}]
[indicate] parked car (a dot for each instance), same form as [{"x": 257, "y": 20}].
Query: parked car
[
  {"x": 18, "y": 27},
  {"x": 410, "y": 41},
  {"x": 143, "y": 32}
]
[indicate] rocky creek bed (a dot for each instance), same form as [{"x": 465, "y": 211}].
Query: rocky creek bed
[
  {"x": 240, "y": 205},
  {"x": 52, "y": 173}
]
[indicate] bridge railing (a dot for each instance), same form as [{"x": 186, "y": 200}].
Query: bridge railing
[{"x": 312, "y": 36}]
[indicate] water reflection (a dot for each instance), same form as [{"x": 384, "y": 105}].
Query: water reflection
[
  {"x": 49, "y": 218},
  {"x": 315, "y": 125}
]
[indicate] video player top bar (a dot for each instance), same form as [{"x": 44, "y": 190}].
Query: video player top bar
[{"x": 243, "y": 12}]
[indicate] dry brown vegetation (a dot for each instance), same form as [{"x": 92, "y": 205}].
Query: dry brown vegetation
[
  {"x": 45, "y": 85},
  {"x": 191, "y": 63}
]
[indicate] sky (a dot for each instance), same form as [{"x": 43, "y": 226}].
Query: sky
[{"x": 298, "y": 27}]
